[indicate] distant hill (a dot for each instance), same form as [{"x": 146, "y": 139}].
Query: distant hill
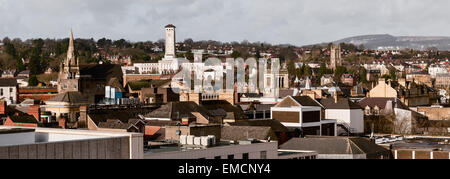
[{"x": 386, "y": 41}]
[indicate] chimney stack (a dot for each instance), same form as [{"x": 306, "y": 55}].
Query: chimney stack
[
  {"x": 3, "y": 106},
  {"x": 82, "y": 120},
  {"x": 335, "y": 97},
  {"x": 35, "y": 110}
]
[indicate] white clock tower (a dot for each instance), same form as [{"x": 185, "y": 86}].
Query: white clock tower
[{"x": 170, "y": 42}]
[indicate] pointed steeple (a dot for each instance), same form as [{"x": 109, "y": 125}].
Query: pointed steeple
[
  {"x": 71, "y": 51},
  {"x": 308, "y": 83}
]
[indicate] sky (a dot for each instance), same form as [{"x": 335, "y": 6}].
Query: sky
[{"x": 297, "y": 22}]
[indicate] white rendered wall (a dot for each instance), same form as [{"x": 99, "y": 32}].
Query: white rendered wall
[
  {"x": 354, "y": 117},
  {"x": 17, "y": 138},
  {"x": 7, "y": 94}
]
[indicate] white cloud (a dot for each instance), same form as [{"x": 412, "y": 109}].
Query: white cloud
[{"x": 286, "y": 21}]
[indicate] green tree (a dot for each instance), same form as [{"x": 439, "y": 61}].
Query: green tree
[
  {"x": 291, "y": 68},
  {"x": 33, "y": 81},
  {"x": 364, "y": 76},
  {"x": 189, "y": 55},
  {"x": 393, "y": 74},
  {"x": 307, "y": 71},
  {"x": 322, "y": 70},
  {"x": 235, "y": 54},
  {"x": 340, "y": 70}
]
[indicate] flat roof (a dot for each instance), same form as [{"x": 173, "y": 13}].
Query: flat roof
[
  {"x": 15, "y": 130},
  {"x": 173, "y": 147}
]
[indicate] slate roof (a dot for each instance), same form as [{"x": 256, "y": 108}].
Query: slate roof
[
  {"x": 285, "y": 92},
  {"x": 178, "y": 110},
  {"x": 334, "y": 145},
  {"x": 275, "y": 125},
  {"x": 343, "y": 103},
  {"x": 138, "y": 85},
  {"x": 381, "y": 103},
  {"x": 114, "y": 82},
  {"x": 256, "y": 107},
  {"x": 123, "y": 115},
  {"x": 69, "y": 97},
  {"x": 23, "y": 119},
  {"x": 306, "y": 101},
  {"x": 226, "y": 106},
  {"x": 114, "y": 125},
  {"x": 236, "y": 133},
  {"x": 100, "y": 72},
  {"x": 160, "y": 123},
  {"x": 6, "y": 82}
]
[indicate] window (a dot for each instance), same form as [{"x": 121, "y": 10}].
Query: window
[
  {"x": 230, "y": 157},
  {"x": 1, "y": 92},
  {"x": 10, "y": 90},
  {"x": 311, "y": 116},
  {"x": 245, "y": 156},
  {"x": 263, "y": 155},
  {"x": 367, "y": 110},
  {"x": 217, "y": 157}
]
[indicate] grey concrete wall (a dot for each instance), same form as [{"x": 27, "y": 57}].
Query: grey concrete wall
[
  {"x": 254, "y": 151},
  {"x": 110, "y": 148}
]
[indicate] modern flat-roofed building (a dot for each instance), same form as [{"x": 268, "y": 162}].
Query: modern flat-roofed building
[
  {"x": 305, "y": 114},
  {"x": 46, "y": 143},
  {"x": 226, "y": 150}
]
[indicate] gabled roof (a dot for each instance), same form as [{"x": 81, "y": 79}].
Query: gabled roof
[
  {"x": 178, "y": 110},
  {"x": 114, "y": 115},
  {"x": 71, "y": 97},
  {"x": 7, "y": 82},
  {"x": 114, "y": 82},
  {"x": 334, "y": 145},
  {"x": 343, "y": 103},
  {"x": 234, "y": 111},
  {"x": 114, "y": 125},
  {"x": 381, "y": 103},
  {"x": 306, "y": 101},
  {"x": 23, "y": 119},
  {"x": 236, "y": 133}
]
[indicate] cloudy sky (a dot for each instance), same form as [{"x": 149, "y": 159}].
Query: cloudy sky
[{"x": 298, "y": 22}]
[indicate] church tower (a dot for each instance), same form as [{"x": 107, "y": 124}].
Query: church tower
[
  {"x": 170, "y": 42},
  {"x": 69, "y": 73},
  {"x": 335, "y": 56}
]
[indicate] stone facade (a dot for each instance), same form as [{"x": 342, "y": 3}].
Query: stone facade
[
  {"x": 70, "y": 71},
  {"x": 335, "y": 56}
]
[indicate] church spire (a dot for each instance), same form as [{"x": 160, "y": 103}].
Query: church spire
[{"x": 71, "y": 51}]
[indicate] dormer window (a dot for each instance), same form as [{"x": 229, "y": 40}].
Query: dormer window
[
  {"x": 367, "y": 110},
  {"x": 376, "y": 111}
]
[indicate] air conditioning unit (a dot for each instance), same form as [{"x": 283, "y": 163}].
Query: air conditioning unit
[
  {"x": 205, "y": 141},
  {"x": 183, "y": 139},
  {"x": 197, "y": 141},
  {"x": 212, "y": 138},
  {"x": 190, "y": 140}
]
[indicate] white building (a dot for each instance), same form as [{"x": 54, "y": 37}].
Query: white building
[
  {"x": 433, "y": 70},
  {"x": 22, "y": 143},
  {"x": 349, "y": 115},
  {"x": 377, "y": 66},
  {"x": 8, "y": 90},
  {"x": 304, "y": 113}
]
